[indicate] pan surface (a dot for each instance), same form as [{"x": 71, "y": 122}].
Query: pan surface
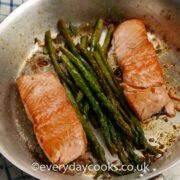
[{"x": 32, "y": 19}]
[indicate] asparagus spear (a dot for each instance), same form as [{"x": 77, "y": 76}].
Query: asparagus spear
[
  {"x": 117, "y": 142},
  {"x": 94, "y": 85},
  {"x": 96, "y": 34},
  {"x": 130, "y": 150},
  {"x": 112, "y": 80},
  {"x": 93, "y": 119},
  {"x": 108, "y": 38},
  {"x": 106, "y": 72},
  {"x": 80, "y": 82},
  {"x": 96, "y": 68},
  {"x": 54, "y": 58},
  {"x": 86, "y": 108},
  {"x": 108, "y": 67},
  {"x": 79, "y": 96},
  {"x": 96, "y": 147},
  {"x": 142, "y": 139},
  {"x": 63, "y": 29},
  {"x": 84, "y": 41}
]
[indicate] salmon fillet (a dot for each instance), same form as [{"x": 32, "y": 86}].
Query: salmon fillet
[
  {"x": 56, "y": 124},
  {"x": 143, "y": 80}
]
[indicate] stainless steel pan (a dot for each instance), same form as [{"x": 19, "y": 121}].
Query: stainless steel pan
[{"x": 31, "y": 20}]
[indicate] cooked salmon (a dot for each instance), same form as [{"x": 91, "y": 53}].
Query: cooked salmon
[
  {"x": 56, "y": 124},
  {"x": 143, "y": 80}
]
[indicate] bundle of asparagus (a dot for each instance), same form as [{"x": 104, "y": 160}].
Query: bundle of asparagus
[{"x": 93, "y": 89}]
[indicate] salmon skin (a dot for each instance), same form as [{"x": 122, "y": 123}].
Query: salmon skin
[
  {"x": 56, "y": 124},
  {"x": 143, "y": 81}
]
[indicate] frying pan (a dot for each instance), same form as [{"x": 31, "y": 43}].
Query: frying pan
[{"x": 32, "y": 19}]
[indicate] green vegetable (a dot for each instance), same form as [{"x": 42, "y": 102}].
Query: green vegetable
[
  {"x": 132, "y": 120},
  {"x": 78, "y": 63},
  {"x": 91, "y": 79},
  {"x": 94, "y": 85},
  {"x": 95, "y": 146},
  {"x": 84, "y": 41},
  {"x": 105, "y": 71},
  {"x": 79, "y": 96},
  {"x": 86, "y": 108},
  {"x": 63, "y": 29},
  {"x": 102, "y": 81},
  {"x": 54, "y": 58},
  {"x": 96, "y": 34},
  {"x": 117, "y": 141},
  {"x": 108, "y": 38},
  {"x": 80, "y": 82},
  {"x": 130, "y": 150},
  {"x": 105, "y": 86}
]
